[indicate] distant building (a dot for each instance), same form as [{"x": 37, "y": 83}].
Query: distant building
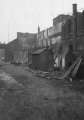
[
  {"x": 2, "y": 51},
  {"x": 10, "y": 49},
  {"x": 19, "y": 50},
  {"x": 27, "y": 40}
]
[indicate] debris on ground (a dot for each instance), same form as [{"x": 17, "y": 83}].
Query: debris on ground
[{"x": 62, "y": 74}]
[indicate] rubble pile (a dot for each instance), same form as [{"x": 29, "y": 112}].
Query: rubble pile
[{"x": 63, "y": 74}]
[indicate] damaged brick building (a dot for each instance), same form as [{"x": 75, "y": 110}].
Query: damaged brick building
[
  {"x": 52, "y": 37},
  {"x": 73, "y": 34},
  {"x": 65, "y": 37}
]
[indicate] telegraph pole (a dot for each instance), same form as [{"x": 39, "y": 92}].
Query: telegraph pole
[{"x": 8, "y": 31}]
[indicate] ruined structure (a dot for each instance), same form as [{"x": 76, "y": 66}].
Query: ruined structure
[
  {"x": 52, "y": 37},
  {"x": 64, "y": 38},
  {"x": 73, "y": 32}
]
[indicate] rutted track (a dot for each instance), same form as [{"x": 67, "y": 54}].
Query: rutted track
[{"x": 28, "y": 97}]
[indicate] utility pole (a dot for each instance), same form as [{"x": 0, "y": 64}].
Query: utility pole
[{"x": 8, "y": 30}]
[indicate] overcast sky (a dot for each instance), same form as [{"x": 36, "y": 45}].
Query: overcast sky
[{"x": 25, "y": 15}]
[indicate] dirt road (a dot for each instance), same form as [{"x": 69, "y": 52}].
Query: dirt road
[{"x": 34, "y": 98}]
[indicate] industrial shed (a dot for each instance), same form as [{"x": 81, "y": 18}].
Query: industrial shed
[{"x": 42, "y": 59}]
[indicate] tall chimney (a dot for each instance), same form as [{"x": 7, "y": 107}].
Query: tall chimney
[
  {"x": 74, "y": 9},
  {"x": 74, "y": 25}
]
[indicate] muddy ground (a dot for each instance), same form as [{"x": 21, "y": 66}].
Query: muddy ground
[{"x": 29, "y": 97}]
